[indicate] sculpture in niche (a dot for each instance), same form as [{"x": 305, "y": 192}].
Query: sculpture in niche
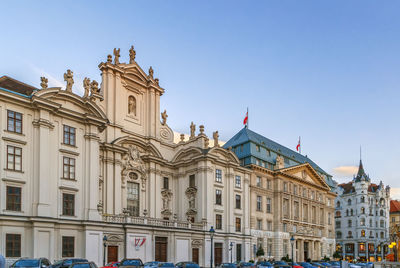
[
  {"x": 86, "y": 86},
  {"x": 132, "y": 55},
  {"x": 215, "y": 137},
  {"x": 94, "y": 87},
  {"x": 191, "y": 193},
  {"x": 132, "y": 163},
  {"x": 151, "y": 72},
  {"x": 132, "y": 105},
  {"x": 44, "y": 82},
  {"x": 166, "y": 195},
  {"x": 69, "y": 78},
  {"x": 192, "y": 130},
  {"x": 164, "y": 117},
  {"x": 116, "y": 55}
]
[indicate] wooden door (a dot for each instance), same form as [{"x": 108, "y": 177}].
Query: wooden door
[
  {"x": 217, "y": 254},
  {"x": 238, "y": 252},
  {"x": 161, "y": 245},
  {"x": 195, "y": 255},
  {"x": 112, "y": 253}
]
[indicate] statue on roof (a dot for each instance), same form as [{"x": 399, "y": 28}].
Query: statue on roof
[
  {"x": 151, "y": 72},
  {"x": 192, "y": 130},
  {"x": 279, "y": 162},
  {"x": 116, "y": 56},
  {"x": 44, "y": 82},
  {"x": 132, "y": 55},
  {"x": 164, "y": 117},
  {"x": 215, "y": 137},
  {"x": 69, "y": 78},
  {"x": 86, "y": 86},
  {"x": 94, "y": 87}
]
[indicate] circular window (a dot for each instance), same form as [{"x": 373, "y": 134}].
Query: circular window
[{"x": 133, "y": 176}]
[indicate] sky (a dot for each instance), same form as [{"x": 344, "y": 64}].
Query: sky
[{"x": 327, "y": 71}]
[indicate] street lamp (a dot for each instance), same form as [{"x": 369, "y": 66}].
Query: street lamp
[
  {"x": 104, "y": 252},
  {"x": 212, "y": 231},
  {"x": 230, "y": 249},
  {"x": 292, "y": 242}
]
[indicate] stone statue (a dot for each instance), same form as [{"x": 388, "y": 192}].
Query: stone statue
[
  {"x": 279, "y": 162},
  {"x": 69, "y": 78},
  {"x": 192, "y": 201},
  {"x": 86, "y": 86},
  {"x": 201, "y": 127},
  {"x": 132, "y": 55},
  {"x": 182, "y": 137},
  {"x": 157, "y": 81},
  {"x": 109, "y": 58},
  {"x": 94, "y": 87},
  {"x": 44, "y": 82},
  {"x": 151, "y": 72},
  {"x": 164, "y": 117},
  {"x": 116, "y": 56},
  {"x": 192, "y": 130},
  {"x": 215, "y": 137},
  {"x": 206, "y": 142},
  {"x": 132, "y": 105}
]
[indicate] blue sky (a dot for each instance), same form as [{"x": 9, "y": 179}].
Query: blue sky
[{"x": 327, "y": 71}]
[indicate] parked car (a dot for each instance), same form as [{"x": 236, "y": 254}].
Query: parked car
[
  {"x": 326, "y": 264},
  {"x": 246, "y": 264},
  {"x": 151, "y": 264},
  {"x": 307, "y": 265},
  {"x": 335, "y": 264},
  {"x": 227, "y": 265},
  {"x": 89, "y": 264},
  {"x": 295, "y": 265},
  {"x": 34, "y": 263},
  {"x": 264, "y": 264},
  {"x": 131, "y": 263},
  {"x": 111, "y": 264},
  {"x": 65, "y": 263},
  {"x": 186, "y": 264},
  {"x": 354, "y": 265},
  {"x": 165, "y": 264}
]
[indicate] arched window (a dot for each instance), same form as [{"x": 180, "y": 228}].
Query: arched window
[
  {"x": 362, "y": 210},
  {"x": 382, "y": 201},
  {"x": 382, "y": 235},
  {"x": 347, "y": 212},
  {"x": 362, "y": 199},
  {"x": 382, "y": 223},
  {"x": 338, "y": 235},
  {"x": 381, "y": 212},
  {"x": 370, "y": 223},
  {"x": 349, "y": 202},
  {"x": 351, "y": 212},
  {"x": 362, "y": 221},
  {"x": 338, "y": 204},
  {"x": 349, "y": 223},
  {"x": 338, "y": 214},
  {"x": 349, "y": 235},
  {"x": 362, "y": 233}
]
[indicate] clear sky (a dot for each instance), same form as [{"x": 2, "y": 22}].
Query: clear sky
[{"x": 327, "y": 71}]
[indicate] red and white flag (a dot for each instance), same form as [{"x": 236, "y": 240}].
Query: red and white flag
[
  {"x": 298, "y": 147},
  {"x": 246, "y": 118}
]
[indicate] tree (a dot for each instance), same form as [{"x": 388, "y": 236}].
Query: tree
[
  {"x": 260, "y": 252},
  {"x": 337, "y": 255},
  {"x": 286, "y": 258}
]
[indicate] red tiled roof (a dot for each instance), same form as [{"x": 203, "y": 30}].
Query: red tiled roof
[
  {"x": 347, "y": 187},
  {"x": 394, "y": 206}
]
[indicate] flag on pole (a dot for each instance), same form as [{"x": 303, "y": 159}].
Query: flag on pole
[
  {"x": 298, "y": 147},
  {"x": 246, "y": 118}
]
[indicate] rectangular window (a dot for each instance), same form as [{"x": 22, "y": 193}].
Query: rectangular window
[
  {"x": 285, "y": 187},
  {"x": 329, "y": 218},
  {"x": 218, "y": 175},
  {"x": 69, "y": 135},
  {"x": 238, "y": 181},
  {"x": 314, "y": 214},
  {"x": 238, "y": 202},
  {"x": 285, "y": 227},
  {"x": 238, "y": 225},
  {"x": 13, "y": 245},
  {"x": 218, "y": 197},
  {"x": 321, "y": 216},
  {"x": 218, "y": 221},
  {"x": 14, "y": 121},
  {"x": 296, "y": 209},
  {"x": 257, "y": 148},
  {"x": 285, "y": 207},
  {"x": 192, "y": 180},
  {"x": 13, "y": 197},
  {"x": 68, "y": 204},
  {"x": 14, "y": 158},
  {"x": 133, "y": 198},
  {"x": 268, "y": 205},
  {"x": 69, "y": 168},
  {"x": 258, "y": 205},
  {"x": 305, "y": 212},
  {"x": 269, "y": 225},
  {"x": 259, "y": 224},
  {"x": 268, "y": 184},
  {"x": 258, "y": 181},
  {"x": 295, "y": 190},
  {"x": 68, "y": 246},
  {"x": 165, "y": 183}
]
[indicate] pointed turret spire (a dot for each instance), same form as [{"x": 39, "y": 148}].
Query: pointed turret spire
[{"x": 361, "y": 173}]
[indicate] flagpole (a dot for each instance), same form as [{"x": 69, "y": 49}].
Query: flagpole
[
  {"x": 300, "y": 143},
  {"x": 247, "y": 123}
]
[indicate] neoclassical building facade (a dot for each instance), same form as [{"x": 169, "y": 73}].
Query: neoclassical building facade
[
  {"x": 83, "y": 175},
  {"x": 362, "y": 218},
  {"x": 289, "y": 196}
]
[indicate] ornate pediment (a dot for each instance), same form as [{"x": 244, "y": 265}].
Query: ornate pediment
[
  {"x": 132, "y": 166},
  {"x": 305, "y": 173}
]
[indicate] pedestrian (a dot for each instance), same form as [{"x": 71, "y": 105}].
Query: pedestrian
[{"x": 2, "y": 261}]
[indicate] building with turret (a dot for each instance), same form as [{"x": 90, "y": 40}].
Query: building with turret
[{"x": 362, "y": 218}]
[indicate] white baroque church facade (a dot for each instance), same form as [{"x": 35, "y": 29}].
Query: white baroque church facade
[{"x": 99, "y": 176}]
